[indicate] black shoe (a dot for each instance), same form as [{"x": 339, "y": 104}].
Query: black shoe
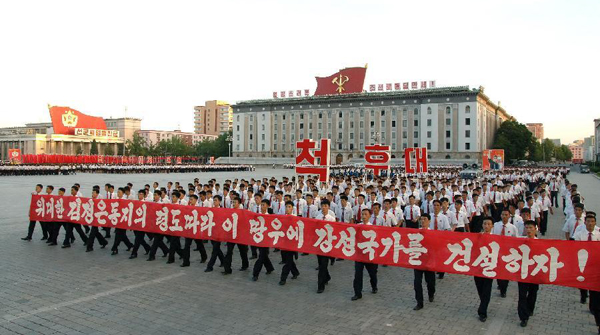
[
  {"x": 26, "y": 238},
  {"x": 208, "y": 270},
  {"x": 418, "y": 307},
  {"x": 254, "y": 278},
  {"x": 89, "y": 249},
  {"x": 431, "y": 299},
  {"x": 295, "y": 277},
  {"x": 150, "y": 259},
  {"x": 103, "y": 246},
  {"x": 482, "y": 318},
  {"x": 523, "y": 323},
  {"x": 503, "y": 295},
  {"x": 374, "y": 291},
  {"x": 170, "y": 261},
  {"x": 196, "y": 249},
  {"x": 356, "y": 297},
  {"x": 282, "y": 282},
  {"x": 185, "y": 265},
  {"x": 128, "y": 249},
  {"x": 164, "y": 255},
  {"x": 53, "y": 243},
  {"x": 133, "y": 256},
  {"x": 243, "y": 269},
  {"x": 269, "y": 272},
  {"x": 44, "y": 238},
  {"x": 583, "y": 300},
  {"x": 321, "y": 290},
  {"x": 226, "y": 273},
  {"x": 203, "y": 260},
  {"x": 115, "y": 252},
  {"x": 65, "y": 246}
]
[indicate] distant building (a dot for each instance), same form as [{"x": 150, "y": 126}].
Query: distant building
[
  {"x": 596, "y": 135},
  {"x": 556, "y": 142},
  {"x": 127, "y": 126},
  {"x": 589, "y": 148},
  {"x": 155, "y": 136},
  {"x": 577, "y": 151},
  {"x": 537, "y": 129},
  {"x": 214, "y": 118}
]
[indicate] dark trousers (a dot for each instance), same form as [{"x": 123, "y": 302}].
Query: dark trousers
[
  {"x": 484, "y": 290},
  {"x": 174, "y": 248},
  {"x": 323, "y": 277},
  {"x": 496, "y": 211},
  {"x": 263, "y": 259},
  {"x": 54, "y": 231},
  {"x": 289, "y": 265},
  {"x": 187, "y": 250},
  {"x": 139, "y": 241},
  {"x": 69, "y": 233},
  {"x": 358, "y": 276},
  {"x": 527, "y": 298},
  {"x": 564, "y": 203},
  {"x": 418, "y": 284},
  {"x": 121, "y": 236},
  {"x": 216, "y": 253},
  {"x": 584, "y": 294},
  {"x": 106, "y": 231},
  {"x": 503, "y": 285},
  {"x": 32, "y": 228},
  {"x": 554, "y": 198},
  {"x": 95, "y": 234},
  {"x": 243, "y": 249},
  {"x": 476, "y": 224},
  {"x": 544, "y": 222},
  {"x": 158, "y": 242},
  {"x": 595, "y": 306},
  {"x": 412, "y": 224},
  {"x": 254, "y": 251}
]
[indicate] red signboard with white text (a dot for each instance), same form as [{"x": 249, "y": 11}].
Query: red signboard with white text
[
  {"x": 65, "y": 120},
  {"x": 313, "y": 160},
  {"x": 541, "y": 261},
  {"x": 415, "y": 160}
]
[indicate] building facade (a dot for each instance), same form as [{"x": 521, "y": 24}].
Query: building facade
[
  {"x": 577, "y": 151},
  {"x": 214, "y": 118},
  {"x": 126, "y": 126},
  {"x": 556, "y": 141},
  {"x": 537, "y": 129},
  {"x": 596, "y": 135},
  {"x": 589, "y": 148},
  {"x": 155, "y": 136},
  {"x": 452, "y": 123}
]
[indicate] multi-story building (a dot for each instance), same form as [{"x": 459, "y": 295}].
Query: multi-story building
[
  {"x": 577, "y": 151},
  {"x": 455, "y": 123},
  {"x": 127, "y": 126},
  {"x": 597, "y": 136},
  {"x": 589, "y": 148},
  {"x": 556, "y": 142},
  {"x": 214, "y": 118},
  {"x": 155, "y": 136},
  {"x": 537, "y": 129}
]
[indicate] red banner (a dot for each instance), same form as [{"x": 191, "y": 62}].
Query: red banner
[
  {"x": 564, "y": 263},
  {"x": 348, "y": 80},
  {"x": 14, "y": 156},
  {"x": 65, "y": 120},
  {"x": 493, "y": 159},
  {"x": 420, "y": 160}
]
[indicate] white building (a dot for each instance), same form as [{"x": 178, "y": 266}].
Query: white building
[{"x": 453, "y": 123}]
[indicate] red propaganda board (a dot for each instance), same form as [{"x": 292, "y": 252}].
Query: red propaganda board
[
  {"x": 377, "y": 158},
  {"x": 348, "y": 80},
  {"x": 540, "y": 261},
  {"x": 307, "y": 154},
  {"x": 420, "y": 160},
  {"x": 493, "y": 159},
  {"x": 14, "y": 156},
  {"x": 65, "y": 120}
]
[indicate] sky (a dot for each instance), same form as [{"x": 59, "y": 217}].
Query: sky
[{"x": 158, "y": 59}]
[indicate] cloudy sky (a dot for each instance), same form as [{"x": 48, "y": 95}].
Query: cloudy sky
[{"x": 156, "y": 60}]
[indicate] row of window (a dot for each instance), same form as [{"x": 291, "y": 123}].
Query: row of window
[{"x": 351, "y": 146}]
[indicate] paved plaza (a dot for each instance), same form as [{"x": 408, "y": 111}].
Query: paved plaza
[{"x": 49, "y": 290}]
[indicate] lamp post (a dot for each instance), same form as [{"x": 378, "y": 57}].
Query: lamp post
[{"x": 228, "y": 139}]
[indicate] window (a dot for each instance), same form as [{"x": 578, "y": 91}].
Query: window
[
  {"x": 448, "y": 110},
  {"x": 263, "y": 147},
  {"x": 238, "y": 118},
  {"x": 238, "y": 136},
  {"x": 404, "y": 123},
  {"x": 404, "y": 134},
  {"x": 262, "y": 136},
  {"x": 362, "y": 146},
  {"x": 382, "y": 113},
  {"x": 394, "y": 112},
  {"x": 283, "y": 117},
  {"x": 448, "y": 122},
  {"x": 251, "y": 126},
  {"x": 428, "y": 110},
  {"x": 301, "y": 136},
  {"x": 251, "y": 117},
  {"x": 372, "y": 113},
  {"x": 263, "y": 127},
  {"x": 447, "y": 133},
  {"x": 415, "y": 145},
  {"x": 428, "y": 122},
  {"x": 320, "y": 115},
  {"x": 362, "y": 136},
  {"x": 263, "y": 116},
  {"x": 274, "y": 137},
  {"x": 447, "y": 146},
  {"x": 352, "y": 124},
  {"x": 468, "y": 121},
  {"x": 310, "y": 126},
  {"x": 275, "y": 146},
  {"x": 250, "y": 136},
  {"x": 468, "y": 109},
  {"x": 293, "y": 137},
  {"x": 362, "y": 113},
  {"x": 340, "y": 135},
  {"x": 428, "y": 146},
  {"x": 283, "y": 137},
  {"x": 339, "y": 146},
  {"x": 301, "y": 125},
  {"x": 302, "y": 116},
  {"x": 351, "y": 136},
  {"x": 382, "y": 123},
  {"x": 394, "y": 135},
  {"x": 293, "y": 126},
  {"x": 339, "y": 125},
  {"x": 404, "y": 145},
  {"x": 416, "y": 123},
  {"x": 416, "y": 111},
  {"x": 429, "y": 134},
  {"x": 372, "y": 124},
  {"x": 404, "y": 112},
  {"x": 351, "y": 146},
  {"x": 383, "y": 135},
  {"x": 237, "y": 147},
  {"x": 340, "y": 115},
  {"x": 467, "y": 133},
  {"x": 238, "y": 127},
  {"x": 467, "y": 146},
  {"x": 393, "y": 123},
  {"x": 394, "y": 146},
  {"x": 320, "y": 126},
  {"x": 250, "y": 146}
]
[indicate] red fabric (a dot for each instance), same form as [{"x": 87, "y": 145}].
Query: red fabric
[
  {"x": 420, "y": 160},
  {"x": 564, "y": 263},
  {"x": 352, "y": 80},
  {"x": 65, "y": 120}
]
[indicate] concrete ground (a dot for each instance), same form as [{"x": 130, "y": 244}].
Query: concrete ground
[{"x": 49, "y": 290}]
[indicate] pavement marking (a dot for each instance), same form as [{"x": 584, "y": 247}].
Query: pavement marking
[{"x": 9, "y": 318}]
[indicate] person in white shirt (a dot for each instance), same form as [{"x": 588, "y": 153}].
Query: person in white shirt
[
  {"x": 412, "y": 213},
  {"x": 357, "y": 210},
  {"x": 344, "y": 211},
  {"x": 425, "y": 223},
  {"x": 121, "y": 234},
  {"x": 299, "y": 204},
  {"x": 277, "y": 204},
  {"x": 45, "y": 234},
  {"x": 527, "y": 291},
  {"x": 389, "y": 216},
  {"x": 323, "y": 277},
  {"x": 546, "y": 207},
  {"x": 483, "y": 284},
  {"x": 310, "y": 210},
  {"x": 263, "y": 252},
  {"x": 360, "y": 266},
  {"x": 590, "y": 234},
  {"x": 504, "y": 228},
  {"x": 438, "y": 220},
  {"x": 573, "y": 222},
  {"x": 288, "y": 256},
  {"x": 396, "y": 210},
  {"x": 461, "y": 224},
  {"x": 94, "y": 233},
  {"x": 516, "y": 220}
]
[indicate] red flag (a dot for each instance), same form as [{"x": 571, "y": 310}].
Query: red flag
[
  {"x": 348, "y": 80},
  {"x": 65, "y": 120}
]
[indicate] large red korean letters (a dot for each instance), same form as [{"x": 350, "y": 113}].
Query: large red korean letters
[
  {"x": 312, "y": 160},
  {"x": 377, "y": 158},
  {"x": 420, "y": 160},
  {"x": 541, "y": 261}
]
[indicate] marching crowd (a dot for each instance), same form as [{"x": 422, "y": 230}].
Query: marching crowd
[
  {"x": 28, "y": 170},
  {"x": 514, "y": 202}
]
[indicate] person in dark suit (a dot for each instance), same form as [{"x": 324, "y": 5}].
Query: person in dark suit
[
  {"x": 263, "y": 252},
  {"x": 38, "y": 190},
  {"x": 217, "y": 253},
  {"x": 243, "y": 249},
  {"x": 483, "y": 284},
  {"x": 94, "y": 231},
  {"x": 193, "y": 201},
  {"x": 289, "y": 265}
]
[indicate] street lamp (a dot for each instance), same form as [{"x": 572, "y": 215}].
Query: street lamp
[{"x": 228, "y": 139}]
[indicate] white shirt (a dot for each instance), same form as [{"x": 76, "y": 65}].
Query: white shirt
[
  {"x": 441, "y": 220},
  {"x": 584, "y": 235},
  {"x": 346, "y": 211},
  {"x": 572, "y": 224},
  {"x": 412, "y": 212},
  {"x": 299, "y": 205},
  {"x": 509, "y": 229},
  {"x": 330, "y": 216},
  {"x": 461, "y": 219}
]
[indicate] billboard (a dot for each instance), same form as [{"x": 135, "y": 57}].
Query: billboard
[
  {"x": 65, "y": 120},
  {"x": 14, "y": 156},
  {"x": 493, "y": 159}
]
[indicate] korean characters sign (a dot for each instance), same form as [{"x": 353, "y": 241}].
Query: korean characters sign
[
  {"x": 313, "y": 160},
  {"x": 415, "y": 160},
  {"x": 493, "y": 159},
  {"x": 377, "y": 158}
]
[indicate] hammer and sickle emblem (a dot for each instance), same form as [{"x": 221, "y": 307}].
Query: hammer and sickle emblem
[{"x": 340, "y": 81}]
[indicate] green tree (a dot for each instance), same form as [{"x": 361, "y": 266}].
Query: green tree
[
  {"x": 563, "y": 153},
  {"x": 548, "y": 150},
  {"x": 94, "y": 148},
  {"x": 515, "y": 139},
  {"x": 109, "y": 150},
  {"x": 137, "y": 146},
  {"x": 120, "y": 149}
]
